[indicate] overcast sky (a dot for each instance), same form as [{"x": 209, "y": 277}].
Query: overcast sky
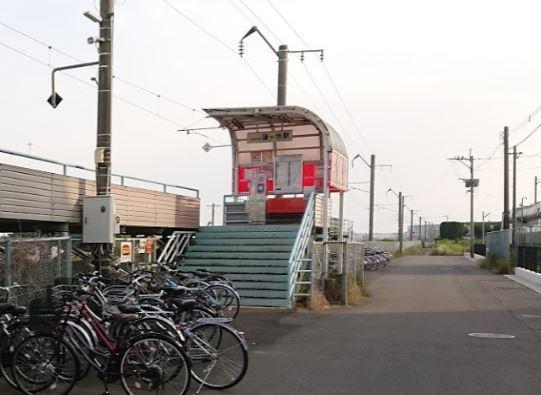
[{"x": 423, "y": 81}]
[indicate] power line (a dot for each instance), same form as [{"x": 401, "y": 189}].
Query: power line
[
  {"x": 527, "y": 120},
  {"x": 123, "y": 99},
  {"x": 329, "y": 76},
  {"x": 288, "y": 24},
  {"x": 219, "y": 41},
  {"x": 260, "y": 20},
  {"x": 529, "y": 135},
  {"x": 293, "y": 78},
  {"x": 64, "y": 53}
]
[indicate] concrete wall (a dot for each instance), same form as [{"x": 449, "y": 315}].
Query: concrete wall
[{"x": 390, "y": 246}]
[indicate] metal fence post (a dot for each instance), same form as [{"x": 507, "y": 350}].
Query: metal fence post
[
  {"x": 7, "y": 263},
  {"x": 345, "y": 273},
  {"x": 69, "y": 269}
]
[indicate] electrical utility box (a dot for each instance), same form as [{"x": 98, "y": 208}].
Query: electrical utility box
[{"x": 100, "y": 223}]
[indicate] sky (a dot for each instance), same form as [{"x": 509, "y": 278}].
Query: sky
[{"x": 418, "y": 82}]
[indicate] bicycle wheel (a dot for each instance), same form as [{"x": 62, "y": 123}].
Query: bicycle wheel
[
  {"x": 224, "y": 299},
  {"x": 45, "y": 364},
  {"x": 148, "y": 325},
  {"x": 19, "y": 331},
  {"x": 218, "y": 354},
  {"x": 81, "y": 339},
  {"x": 154, "y": 363}
]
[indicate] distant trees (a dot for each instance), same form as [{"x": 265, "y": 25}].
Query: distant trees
[
  {"x": 457, "y": 230},
  {"x": 452, "y": 230}
]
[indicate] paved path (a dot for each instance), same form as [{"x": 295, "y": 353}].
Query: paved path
[{"x": 409, "y": 337}]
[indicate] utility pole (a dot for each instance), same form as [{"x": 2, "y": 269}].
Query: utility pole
[
  {"x": 283, "y": 54},
  {"x": 102, "y": 156},
  {"x": 372, "y": 196},
  {"x": 514, "y": 212},
  {"x": 483, "y": 225},
  {"x": 506, "y": 177},
  {"x": 372, "y": 165},
  {"x": 105, "y": 82},
  {"x": 420, "y": 228},
  {"x": 471, "y": 183},
  {"x": 212, "y": 213},
  {"x": 535, "y": 191},
  {"x": 411, "y": 225},
  {"x": 400, "y": 221},
  {"x": 412, "y": 213}
]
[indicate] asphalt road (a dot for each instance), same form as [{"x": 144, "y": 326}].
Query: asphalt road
[{"x": 409, "y": 337}]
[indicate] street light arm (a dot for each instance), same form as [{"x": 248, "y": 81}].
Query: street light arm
[
  {"x": 254, "y": 29},
  {"x": 72, "y": 66},
  {"x": 356, "y": 157}
]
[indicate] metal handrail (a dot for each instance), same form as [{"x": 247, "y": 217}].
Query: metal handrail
[
  {"x": 65, "y": 167},
  {"x": 296, "y": 259}
]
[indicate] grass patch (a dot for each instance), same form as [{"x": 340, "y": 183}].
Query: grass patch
[
  {"x": 414, "y": 250},
  {"x": 498, "y": 266},
  {"x": 450, "y": 247}
]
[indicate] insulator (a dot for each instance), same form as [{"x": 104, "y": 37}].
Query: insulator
[
  {"x": 241, "y": 48},
  {"x": 302, "y": 56},
  {"x": 321, "y": 56}
]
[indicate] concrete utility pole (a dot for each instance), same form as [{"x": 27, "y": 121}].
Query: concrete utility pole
[
  {"x": 105, "y": 82},
  {"x": 471, "y": 183},
  {"x": 483, "y": 225},
  {"x": 535, "y": 190},
  {"x": 372, "y": 165},
  {"x": 514, "y": 212},
  {"x": 420, "y": 228},
  {"x": 400, "y": 221},
  {"x": 212, "y": 213},
  {"x": 372, "y": 197},
  {"x": 472, "y": 221},
  {"x": 411, "y": 225},
  {"x": 283, "y": 54},
  {"x": 506, "y": 178}
]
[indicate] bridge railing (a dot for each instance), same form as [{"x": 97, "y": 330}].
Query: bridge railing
[{"x": 123, "y": 178}]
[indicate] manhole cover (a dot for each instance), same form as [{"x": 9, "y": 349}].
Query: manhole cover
[{"x": 492, "y": 335}]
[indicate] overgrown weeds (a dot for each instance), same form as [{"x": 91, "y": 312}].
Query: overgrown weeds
[
  {"x": 450, "y": 247},
  {"x": 498, "y": 266}
]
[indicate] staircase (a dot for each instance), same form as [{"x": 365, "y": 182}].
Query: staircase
[{"x": 254, "y": 257}]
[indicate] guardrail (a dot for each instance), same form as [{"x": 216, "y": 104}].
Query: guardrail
[
  {"x": 298, "y": 260},
  {"x": 66, "y": 166}
]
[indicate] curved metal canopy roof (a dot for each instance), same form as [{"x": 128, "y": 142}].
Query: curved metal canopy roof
[{"x": 276, "y": 117}]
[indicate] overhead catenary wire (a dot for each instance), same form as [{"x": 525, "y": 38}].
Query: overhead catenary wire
[
  {"x": 123, "y": 99},
  {"x": 116, "y": 77},
  {"x": 219, "y": 41},
  {"x": 328, "y": 73}
]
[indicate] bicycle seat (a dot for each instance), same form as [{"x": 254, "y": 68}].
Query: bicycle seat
[
  {"x": 123, "y": 318},
  {"x": 129, "y": 309}
]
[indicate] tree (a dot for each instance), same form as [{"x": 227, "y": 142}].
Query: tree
[{"x": 452, "y": 230}]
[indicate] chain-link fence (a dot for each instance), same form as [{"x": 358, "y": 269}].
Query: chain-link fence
[
  {"x": 345, "y": 270},
  {"x": 34, "y": 263}
]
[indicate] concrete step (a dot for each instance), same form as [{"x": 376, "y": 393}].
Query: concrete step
[
  {"x": 261, "y": 293},
  {"x": 240, "y": 248},
  {"x": 246, "y": 277},
  {"x": 254, "y": 270},
  {"x": 243, "y": 235},
  {"x": 203, "y": 262},
  {"x": 236, "y": 255},
  {"x": 250, "y": 228},
  {"x": 264, "y": 302},
  {"x": 252, "y": 285},
  {"x": 242, "y": 242}
]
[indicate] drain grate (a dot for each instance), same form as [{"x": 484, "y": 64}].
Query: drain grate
[{"x": 487, "y": 335}]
